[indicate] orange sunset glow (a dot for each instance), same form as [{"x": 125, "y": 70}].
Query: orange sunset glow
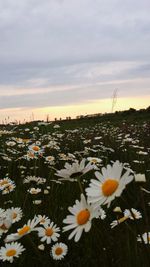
[{"x": 95, "y": 106}]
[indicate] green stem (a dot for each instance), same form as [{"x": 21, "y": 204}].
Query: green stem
[
  {"x": 137, "y": 229},
  {"x": 24, "y": 203},
  {"x": 35, "y": 167},
  {"x": 80, "y": 185},
  {"x": 35, "y": 248}
]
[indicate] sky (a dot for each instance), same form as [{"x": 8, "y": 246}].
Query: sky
[{"x": 67, "y": 57}]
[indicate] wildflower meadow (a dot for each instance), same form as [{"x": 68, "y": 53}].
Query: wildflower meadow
[{"x": 75, "y": 193}]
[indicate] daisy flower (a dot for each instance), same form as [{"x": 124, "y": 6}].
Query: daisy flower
[
  {"x": 15, "y": 213},
  {"x": 100, "y": 213},
  {"x": 50, "y": 159},
  {"x": 56, "y": 126},
  {"x": 48, "y": 233},
  {"x": 43, "y": 219},
  {"x": 2, "y": 213},
  {"x": 117, "y": 222},
  {"x": 7, "y": 186},
  {"x": 37, "y": 202},
  {"x": 145, "y": 237},
  {"x": 41, "y": 247},
  {"x": 30, "y": 155},
  {"x": 46, "y": 192},
  {"x": 74, "y": 170},
  {"x": 11, "y": 143},
  {"x": 4, "y": 182},
  {"x": 109, "y": 184},
  {"x": 133, "y": 214},
  {"x": 5, "y": 222},
  {"x": 82, "y": 215},
  {"x": 117, "y": 209},
  {"x": 140, "y": 178},
  {"x": 11, "y": 251},
  {"x": 30, "y": 179},
  {"x": 94, "y": 160},
  {"x": 26, "y": 229},
  {"x": 59, "y": 251},
  {"x": 35, "y": 148},
  {"x": 26, "y": 141},
  {"x": 34, "y": 191}
]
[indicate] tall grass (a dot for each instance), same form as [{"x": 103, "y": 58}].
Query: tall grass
[{"x": 109, "y": 141}]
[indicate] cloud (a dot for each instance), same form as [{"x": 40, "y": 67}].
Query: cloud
[
  {"x": 66, "y": 51},
  {"x": 59, "y": 96}
]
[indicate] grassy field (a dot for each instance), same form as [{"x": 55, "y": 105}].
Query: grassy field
[{"x": 112, "y": 222}]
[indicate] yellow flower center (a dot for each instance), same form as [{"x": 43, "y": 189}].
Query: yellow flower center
[
  {"x": 24, "y": 230},
  {"x": 25, "y": 140},
  {"x": 49, "y": 231},
  {"x": 94, "y": 160},
  {"x": 42, "y": 221},
  {"x": 58, "y": 251},
  {"x": 11, "y": 252},
  {"x": 3, "y": 227},
  {"x": 83, "y": 216},
  {"x": 4, "y": 182},
  {"x": 14, "y": 215},
  {"x": 35, "y": 148},
  {"x": 109, "y": 187},
  {"x": 49, "y": 158},
  {"x": 34, "y": 191},
  {"x": 8, "y": 187},
  {"x": 31, "y": 155}
]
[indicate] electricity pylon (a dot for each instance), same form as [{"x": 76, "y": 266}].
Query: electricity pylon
[{"x": 114, "y": 99}]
